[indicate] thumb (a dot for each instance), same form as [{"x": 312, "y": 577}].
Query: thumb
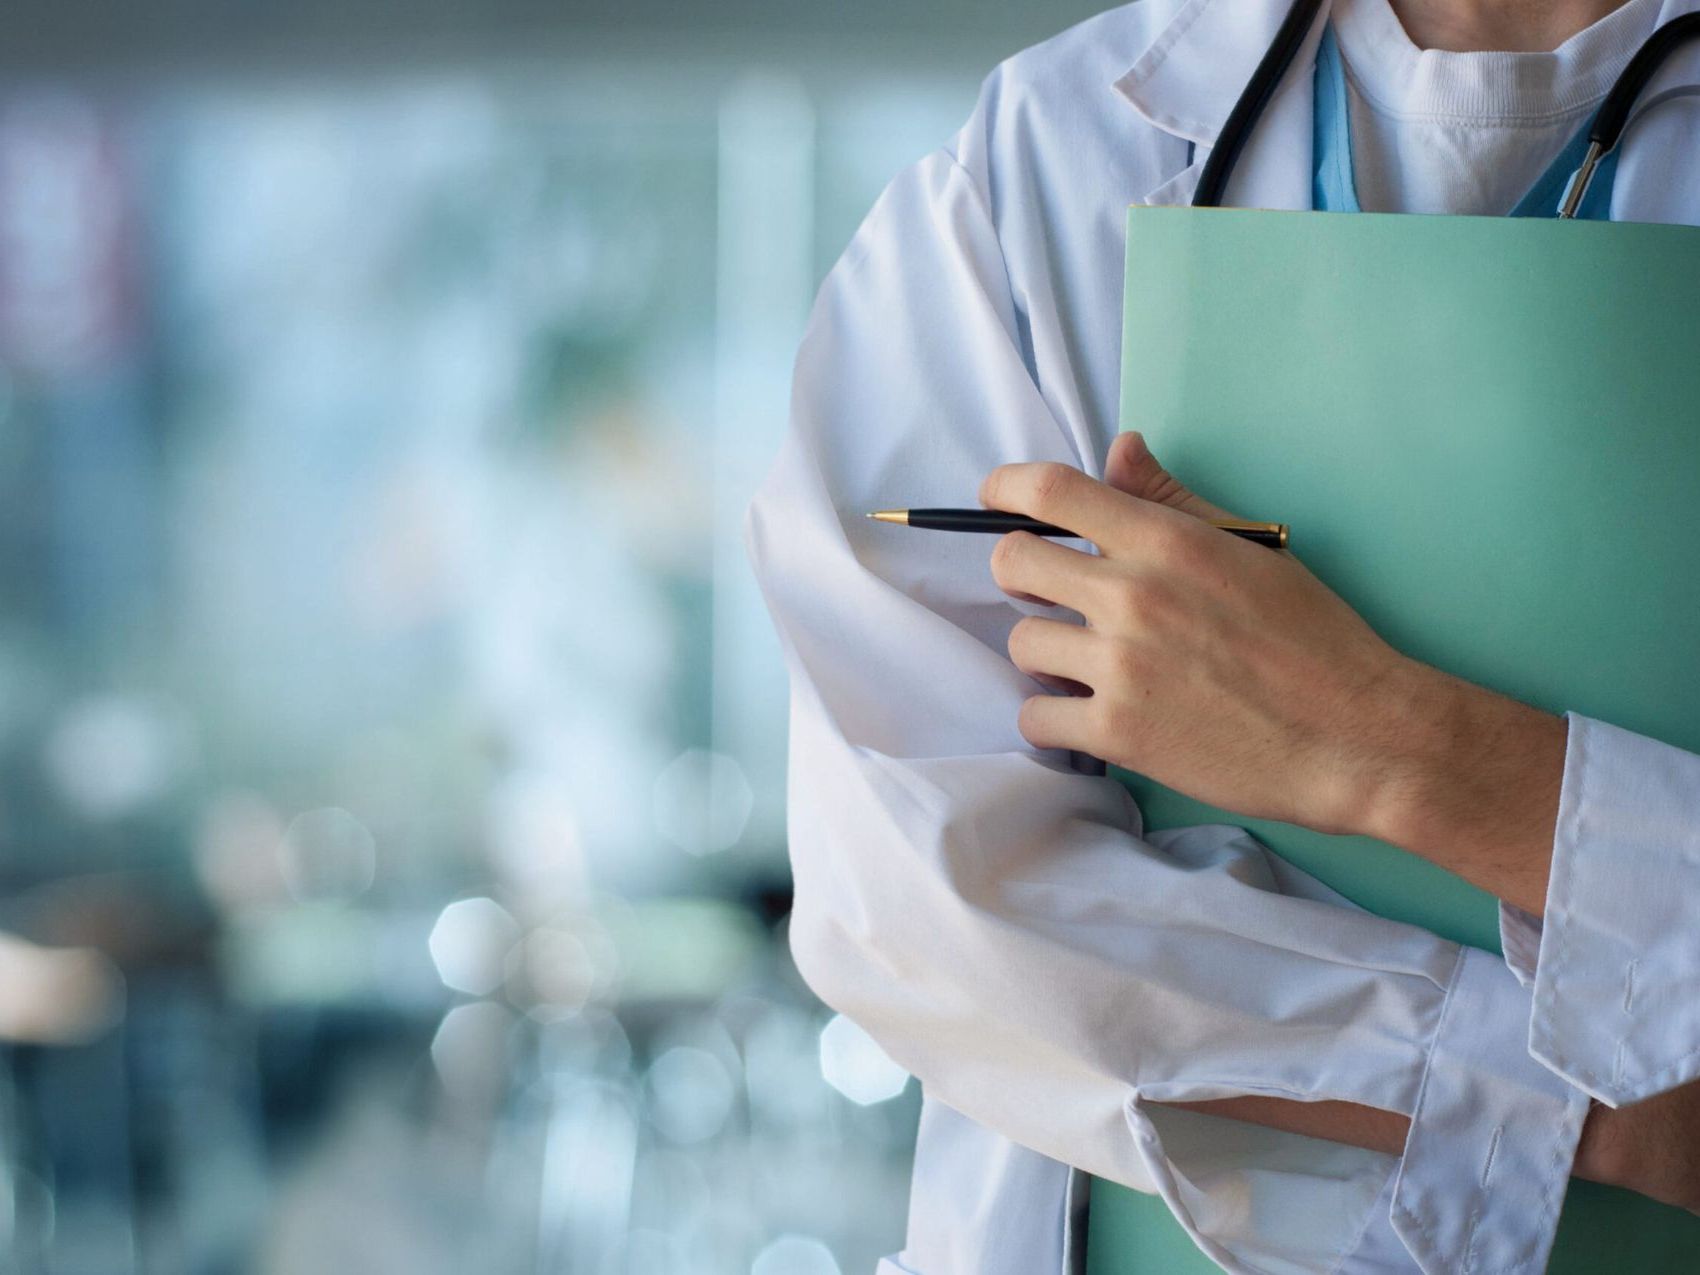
[{"x": 1131, "y": 467}]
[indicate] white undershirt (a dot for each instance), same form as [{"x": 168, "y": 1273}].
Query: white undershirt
[{"x": 1439, "y": 132}]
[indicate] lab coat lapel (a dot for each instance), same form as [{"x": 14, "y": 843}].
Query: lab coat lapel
[
  {"x": 1177, "y": 191},
  {"x": 1658, "y": 178},
  {"x": 1186, "y": 83}
]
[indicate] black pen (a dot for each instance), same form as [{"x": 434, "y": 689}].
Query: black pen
[{"x": 996, "y": 522}]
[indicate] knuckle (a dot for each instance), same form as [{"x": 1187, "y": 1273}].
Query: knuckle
[
  {"x": 1124, "y": 607},
  {"x": 1127, "y": 662},
  {"x": 1021, "y": 637},
  {"x": 1027, "y": 719},
  {"x": 1051, "y": 481},
  {"x": 1172, "y": 541},
  {"x": 1008, "y": 553},
  {"x": 1166, "y": 489},
  {"x": 1159, "y": 607},
  {"x": 1107, "y": 720},
  {"x": 1119, "y": 720}
]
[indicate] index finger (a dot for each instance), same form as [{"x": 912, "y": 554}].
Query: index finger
[{"x": 1065, "y": 497}]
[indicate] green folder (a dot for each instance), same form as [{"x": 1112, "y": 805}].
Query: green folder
[{"x": 1485, "y": 435}]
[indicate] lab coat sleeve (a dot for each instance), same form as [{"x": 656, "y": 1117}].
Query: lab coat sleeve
[
  {"x": 997, "y": 920},
  {"x": 1615, "y": 963}
]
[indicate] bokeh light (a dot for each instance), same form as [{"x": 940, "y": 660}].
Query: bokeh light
[
  {"x": 327, "y": 855},
  {"x": 393, "y": 873},
  {"x": 470, "y": 943},
  {"x": 702, "y": 801},
  {"x": 110, "y": 755},
  {"x": 853, "y": 1063},
  {"x": 471, "y": 1051},
  {"x": 690, "y": 1094},
  {"x": 795, "y": 1255}
]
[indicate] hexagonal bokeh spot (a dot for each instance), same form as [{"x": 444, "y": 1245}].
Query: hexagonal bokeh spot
[
  {"x": 854, "y": 1064},
  {"x": 469, "y": 945},
  {"x": 795, "y": 1255}
]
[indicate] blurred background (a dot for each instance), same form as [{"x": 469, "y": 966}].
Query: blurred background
[{"x": 392, "y": 863}]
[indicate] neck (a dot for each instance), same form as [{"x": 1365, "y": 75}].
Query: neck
[{"x": 1510, "y": 26}]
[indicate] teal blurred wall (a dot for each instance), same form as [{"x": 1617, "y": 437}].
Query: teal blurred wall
[
  {"x": 392, "y": 854},
  {"x": 85, "y": 34}
]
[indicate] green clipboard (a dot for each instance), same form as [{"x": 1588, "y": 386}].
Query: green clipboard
[{"x": 1485, "y": 435}]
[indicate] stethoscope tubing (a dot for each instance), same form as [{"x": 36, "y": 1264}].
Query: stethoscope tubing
[
  {"x": 1607, "y": 130},
  {"x": 1213, "y": 181},
  {"x": 1615, "y": 110}
]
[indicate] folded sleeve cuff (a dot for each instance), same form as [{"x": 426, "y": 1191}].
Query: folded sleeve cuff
[
  {"x": 1520, "y": 940},
  {"x": 1493, "y": 1135},
  {"x": 1614, "y": 1009}
]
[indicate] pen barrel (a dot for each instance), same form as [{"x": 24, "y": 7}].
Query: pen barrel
[
  {"x": 997, "y": 523},
  {"x": 1272, "y": 535},
  {"x": 991, "y": 522}
]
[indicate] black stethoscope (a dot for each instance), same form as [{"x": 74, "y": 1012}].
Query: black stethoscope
[{"x": 1603, "y": 137}]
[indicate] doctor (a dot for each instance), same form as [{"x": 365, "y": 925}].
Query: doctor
[{"x": 1066, "y": 988}]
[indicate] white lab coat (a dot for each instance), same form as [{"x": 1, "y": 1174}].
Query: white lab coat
[{"x": 998, "y": 921}]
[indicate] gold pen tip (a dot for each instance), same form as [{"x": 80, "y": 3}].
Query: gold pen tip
[{"x": 890, "y": 515}]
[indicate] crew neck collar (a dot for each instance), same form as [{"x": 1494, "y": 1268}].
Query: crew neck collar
[{"x": 1398, "y": 78}]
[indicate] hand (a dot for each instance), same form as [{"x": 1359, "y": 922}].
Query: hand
[
  {"x": 1212, "y": 664},
  {"x": 1651, "y": 1148}
]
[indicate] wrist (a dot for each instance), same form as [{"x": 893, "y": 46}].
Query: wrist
[
  {"x": 1416, "y": 726},
  {"x": 1600, "y": 1153},
  {"x": 1470, "y": 782},
  {"x": 1648, "y": 1147}
]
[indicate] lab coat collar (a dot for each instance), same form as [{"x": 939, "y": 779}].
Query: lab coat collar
[
  {"x": 1187, "y": 81},
  {"x": 1649, "y": 185}
]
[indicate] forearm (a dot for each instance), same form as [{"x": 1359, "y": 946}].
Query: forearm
[
  {"x": 1471, "y": 783},
  {"x": 1348, "y": 1122},
  {"x": 1642, "y": 1148}
]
